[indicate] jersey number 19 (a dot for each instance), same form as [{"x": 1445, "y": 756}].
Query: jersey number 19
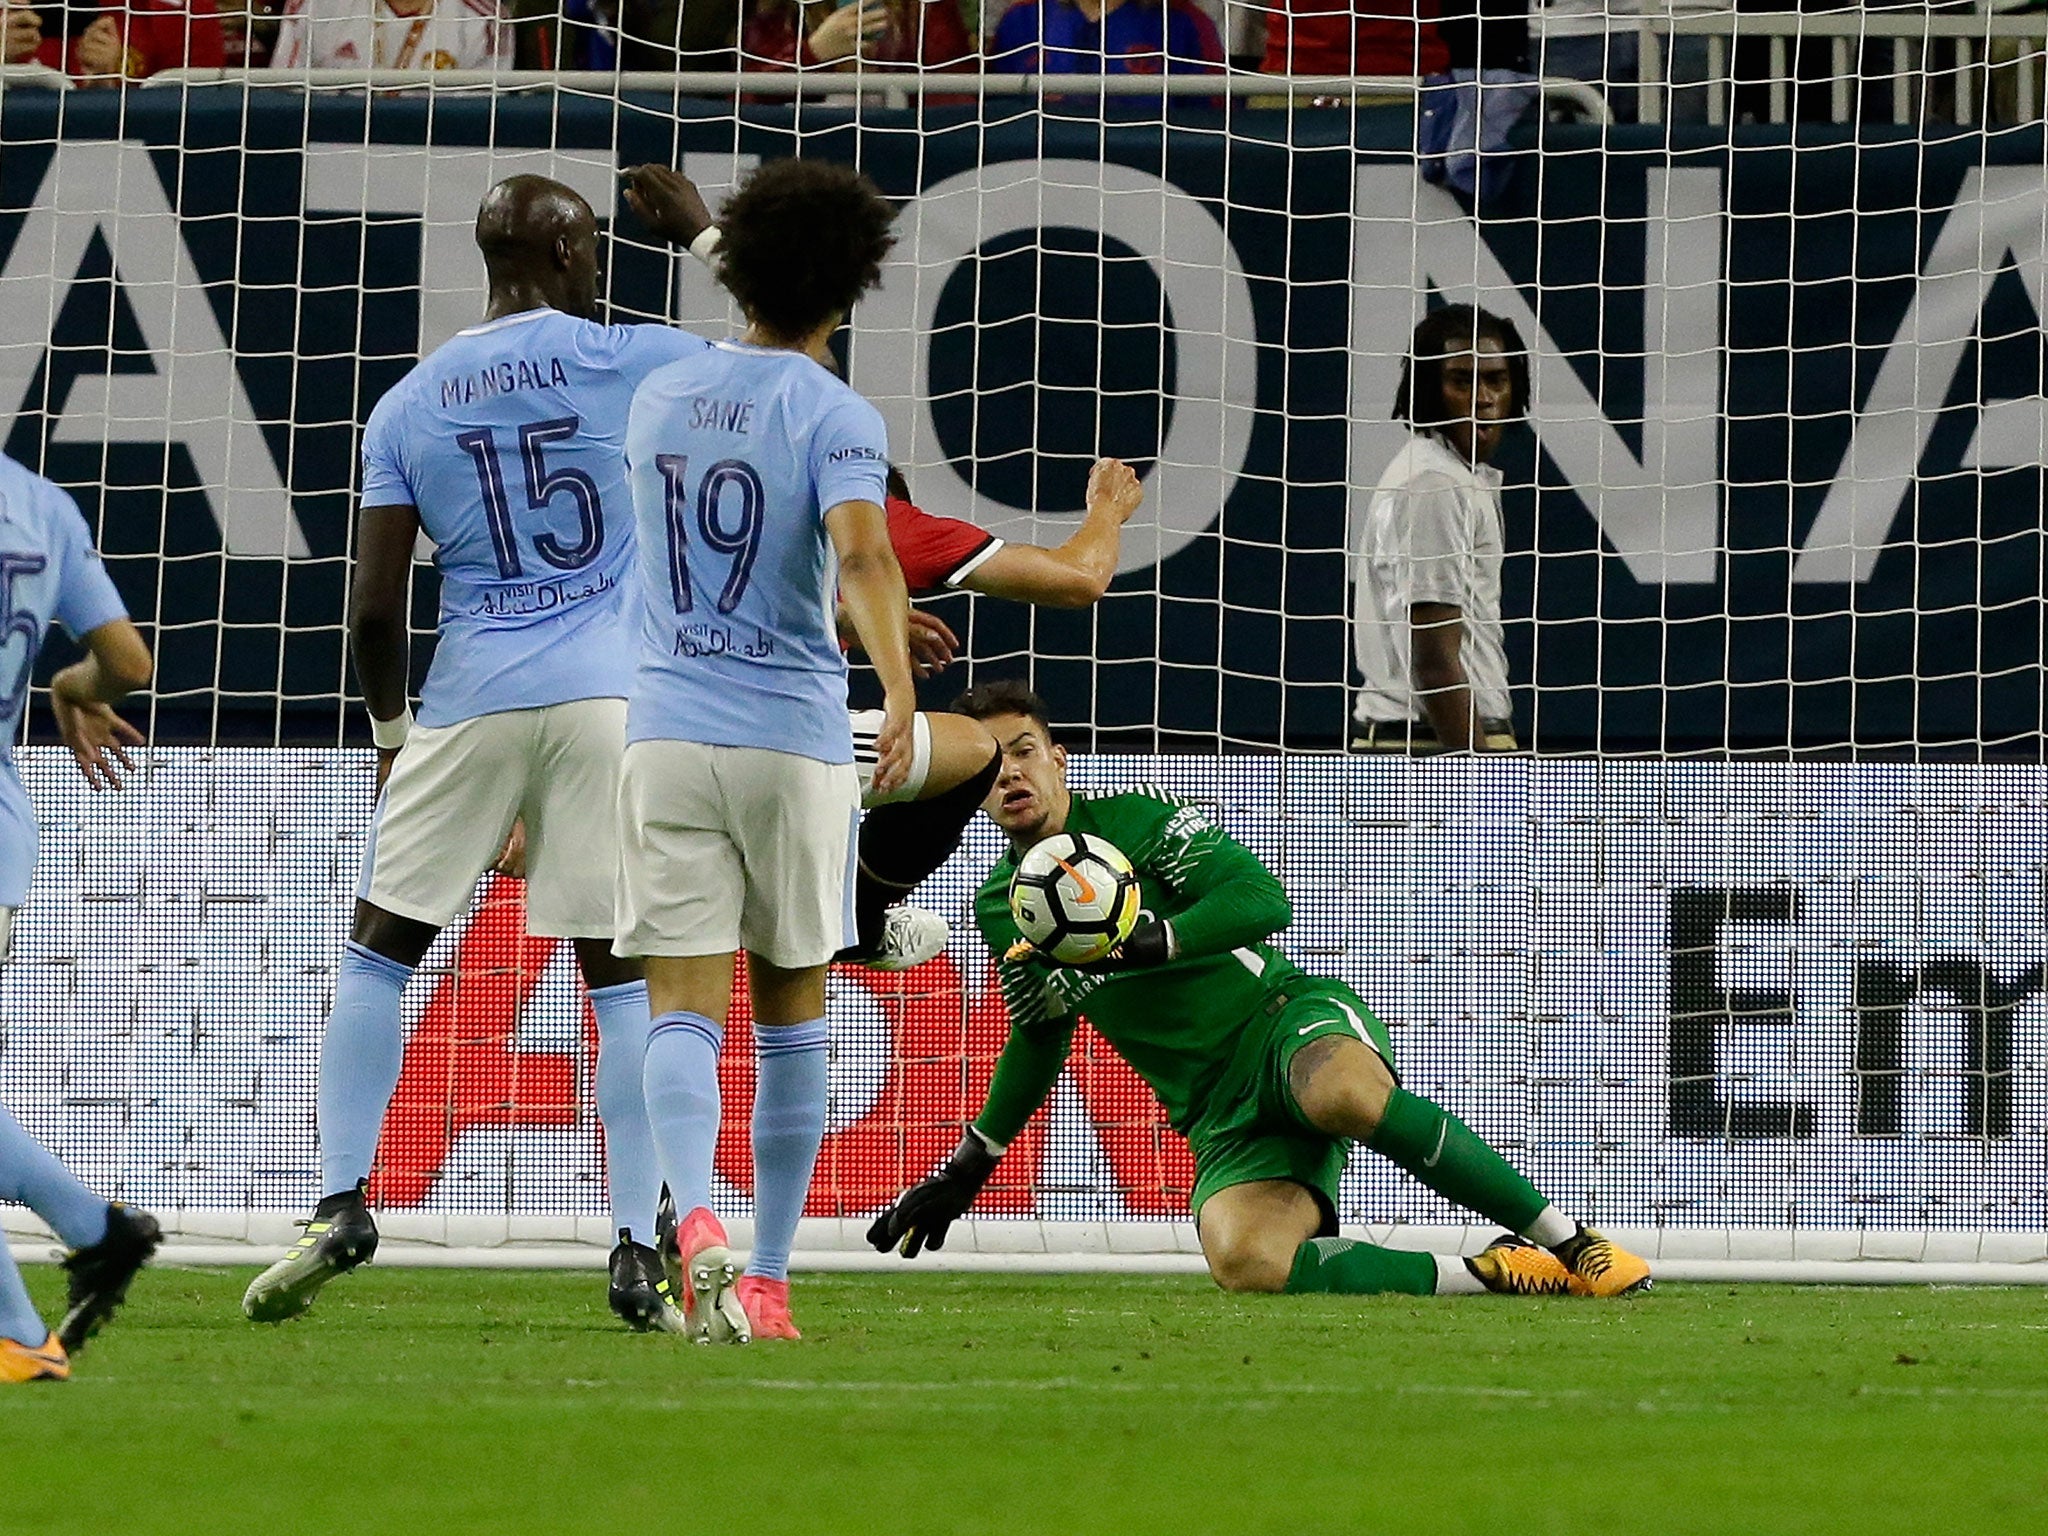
[{"x": 740, "y": 543}]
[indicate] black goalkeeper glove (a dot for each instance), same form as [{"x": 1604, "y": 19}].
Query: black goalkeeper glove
[
  {"x": 921, "y": 1214},
  {"x": 1149, "y": 944}
]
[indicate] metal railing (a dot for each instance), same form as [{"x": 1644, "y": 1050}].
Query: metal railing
[
  {"x": 36, "y": 76},
  {"x": 1947, "y": 59},
  {"x": 881, "y": 87}
]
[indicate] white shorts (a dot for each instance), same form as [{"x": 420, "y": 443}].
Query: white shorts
[
  {"x": 867, "y": 725},
  {"x": 725, "y": 848},
  {"x": 455, "y": 792}
]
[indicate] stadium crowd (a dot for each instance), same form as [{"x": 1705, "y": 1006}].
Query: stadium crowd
[
  {"x": 1751, "y": 75},
  {"x": 101, "y": 42}
]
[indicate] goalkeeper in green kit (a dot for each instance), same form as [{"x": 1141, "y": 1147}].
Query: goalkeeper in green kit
[{"x": 1270, "y": 1073}]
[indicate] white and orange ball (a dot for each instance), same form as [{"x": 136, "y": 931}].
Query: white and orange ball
[{"x": 1075, "y": 897}]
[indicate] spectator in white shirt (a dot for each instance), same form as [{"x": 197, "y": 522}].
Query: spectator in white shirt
[
  {"x": 1427, "y": 626},
  {"x": 392, "y": 34}
]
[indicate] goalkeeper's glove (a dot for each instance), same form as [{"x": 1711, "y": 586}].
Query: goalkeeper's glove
[
  {"x": 1149, "y": 944},
  {"x": 921, "y": 1214}
]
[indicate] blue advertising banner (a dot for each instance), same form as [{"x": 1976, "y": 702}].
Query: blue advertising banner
[{"x": 1782, "y": 486}]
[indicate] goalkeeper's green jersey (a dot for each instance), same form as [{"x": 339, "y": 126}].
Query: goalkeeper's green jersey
[{"x": 1177, "y": 1024}]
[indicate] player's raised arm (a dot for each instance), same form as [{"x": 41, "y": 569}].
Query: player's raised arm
[
  {"x": 877, "y": 604},
  {"x": 379, "y": 638},
  {"x": 116, "y": 664},
  {"x": 670, "y": 205},
  {"x": 1076, "y": 573}
]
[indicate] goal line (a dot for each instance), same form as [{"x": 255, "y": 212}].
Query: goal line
[{"x": 420, "y": 1240}]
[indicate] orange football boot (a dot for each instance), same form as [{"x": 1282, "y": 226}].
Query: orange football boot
[
  {"x": 1513, "y": 1266},
  {"x": 708, "y": 1273},
  {"x": 1601, "y": 1267},
  {"x": 46, "y": 1362}
]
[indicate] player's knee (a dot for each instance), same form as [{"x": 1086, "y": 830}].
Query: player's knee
[
  {"x": 601, "y": 968},
  {"x": 1342, "y": 1086},
  {"x": 963, "y": 757},
  {"x": 1250, "y": 1264},
  {"x": 1373, "y": 1086},
  {"x": 403, "y": 939}
]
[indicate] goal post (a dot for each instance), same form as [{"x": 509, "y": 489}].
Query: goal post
[{"x": 1742, "y": 961}]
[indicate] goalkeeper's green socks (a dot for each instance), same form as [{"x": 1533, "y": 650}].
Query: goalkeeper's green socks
[
  {"x": 1347, "y": 1267},
  {"x": 1441, "y": 1150}
]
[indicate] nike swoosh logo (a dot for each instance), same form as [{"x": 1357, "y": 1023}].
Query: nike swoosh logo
[
  {"x": 1441, "y": 1132},
  {"x": 1081, "y": 880}
]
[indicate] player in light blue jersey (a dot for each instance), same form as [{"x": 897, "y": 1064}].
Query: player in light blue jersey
[
  {"x": 953, "y": 759},
  {"x": 49, "y": 573},
  {"x": 758, "y": 481},
  {"x": 506, "y": 446}
]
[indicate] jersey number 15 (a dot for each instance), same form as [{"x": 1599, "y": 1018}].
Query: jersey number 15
[{"x": 542, "y": 486}]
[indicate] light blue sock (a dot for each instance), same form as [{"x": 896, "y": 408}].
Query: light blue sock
[
  {"x": 361, "y": 1055},
  {"x": 30, "y": 1175},
  {"x": 679, "y": 1077},
  {"x": 629, "y": 1162},
  {"x": 18, "y": 1318},
  {"x": 789, "y": 1123}
]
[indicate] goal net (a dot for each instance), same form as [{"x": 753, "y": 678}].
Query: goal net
[{"x": 1741, "y": 957}]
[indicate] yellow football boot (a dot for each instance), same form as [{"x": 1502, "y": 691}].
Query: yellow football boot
[
  {"x": 1601, "y": 1267},
  {"x": 1512, "y": 1266},
  {"x": 46, "y": 1362}
]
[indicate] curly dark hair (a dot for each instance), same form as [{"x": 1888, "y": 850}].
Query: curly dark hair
[
  {"x": 1004, "y": 696},
  {"x": 1456, "y": 328},
  {"x": 800, "y": 240}
]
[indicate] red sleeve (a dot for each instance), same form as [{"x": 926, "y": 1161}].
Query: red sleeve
[
  {"x": 946, "y": 43},
  {"x": 933, "y": 550},
  {"x": 773, "y": 42},
  {"x": 165, "y": 38},
  {"x": 197, "y": 44}
]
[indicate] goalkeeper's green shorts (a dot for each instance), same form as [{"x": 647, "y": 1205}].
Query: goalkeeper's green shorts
[{"x": 1249, "y": 1128}]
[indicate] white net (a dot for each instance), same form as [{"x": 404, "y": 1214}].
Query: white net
[{"x": 1746, "y": 959}]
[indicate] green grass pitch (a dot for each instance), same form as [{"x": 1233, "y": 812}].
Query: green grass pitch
[{"x": 452, "y": 1401}]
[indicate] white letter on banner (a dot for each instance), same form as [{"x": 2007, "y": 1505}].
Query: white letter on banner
[
  {"x": 1995, "y": 224},
  {"x": 192, "y": 394},
  {"x": 1206, "y": 291},
  {"x": 441, "y": 186},
  {"x": 1661, "y": 511},
  {"x": 696, "y": 301}
]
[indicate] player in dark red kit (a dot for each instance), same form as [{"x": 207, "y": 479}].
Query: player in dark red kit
[
  {"x": 901, "y": 844},
  {"x": 945, "y": 554}
]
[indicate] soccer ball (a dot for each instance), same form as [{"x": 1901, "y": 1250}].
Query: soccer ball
[{"x": 1075, "y": 897}]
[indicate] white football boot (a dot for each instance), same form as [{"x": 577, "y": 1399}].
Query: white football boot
[{"x": 910, "y": 936}]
